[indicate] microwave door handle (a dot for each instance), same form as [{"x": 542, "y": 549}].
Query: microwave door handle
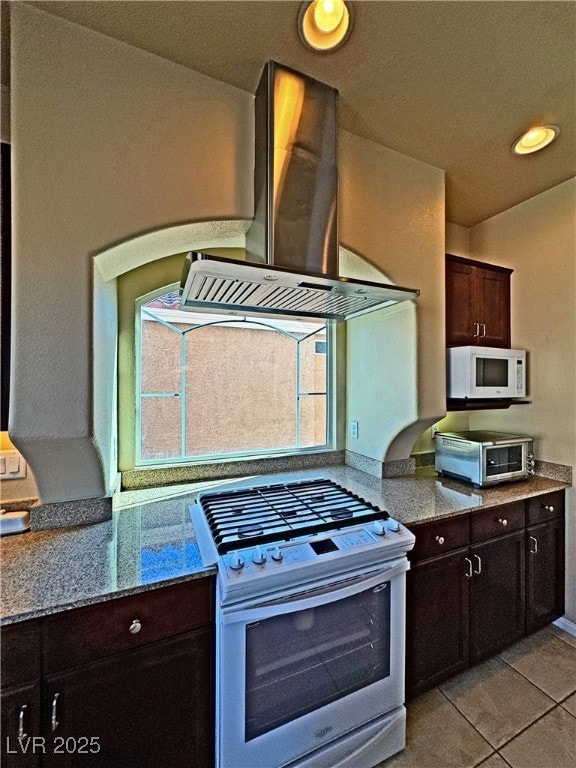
[{"x": 313, "y": 598}]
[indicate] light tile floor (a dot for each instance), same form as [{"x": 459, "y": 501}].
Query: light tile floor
[{"x": 517, "y": 709}]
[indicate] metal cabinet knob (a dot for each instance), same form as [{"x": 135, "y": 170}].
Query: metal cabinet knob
[
  {"x": 549, "y": 507},
  {"x": 135, "y": 627},
  {"x": 439, "y": 539},
  {"x": 502, "y": 521}
]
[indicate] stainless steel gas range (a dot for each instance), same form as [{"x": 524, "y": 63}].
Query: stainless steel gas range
[{"x": 310, "y": 629}]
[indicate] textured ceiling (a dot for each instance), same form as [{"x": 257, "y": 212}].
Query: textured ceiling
[{"x": 449, "y": 83}]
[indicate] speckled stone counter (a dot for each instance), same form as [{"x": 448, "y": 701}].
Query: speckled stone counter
[{"x": 150, "y": 541}]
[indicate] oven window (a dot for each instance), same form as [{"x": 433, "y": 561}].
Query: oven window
[
  {"x": 499, "y": 460},
  {"x": 299, "y": 662},
  {"x": 491, "y": 372}
]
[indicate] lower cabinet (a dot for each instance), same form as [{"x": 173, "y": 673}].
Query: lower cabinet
[
  {"x": 437, "y": 626},
  {"x": 20, "y": 724},
  {"x": 496, "y": 595},
  {"x": 545, "y": 555},
  {"x": 148, "y": 706},
  {"x": 120, "y": 684},
  {"x": 20, "y": 683},
  {"x": 478, "y": 583}
]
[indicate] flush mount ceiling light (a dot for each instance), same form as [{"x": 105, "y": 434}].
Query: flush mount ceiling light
[
  {"x": 535, "y": 139},
  {"x": 324, "y": 25}
]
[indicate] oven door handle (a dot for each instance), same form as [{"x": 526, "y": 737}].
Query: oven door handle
[{"x": 316, "y": 596}]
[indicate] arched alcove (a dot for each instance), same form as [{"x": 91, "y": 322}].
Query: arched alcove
[{"x": 381, "y": 348}]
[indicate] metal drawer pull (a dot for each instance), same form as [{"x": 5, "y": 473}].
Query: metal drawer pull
[
  {"x": 549, "y": 507},
  {"x": 483, "y": 330},
  {"x": 21, "y": 732},
  {"x": 54, "y": 720},
  {"x": 439, "y": 539},
  {"x": 477, "y": 328},
  {"x": 535, "y": 540},
  {"x": 479, "y": 571},
  {"x": 135, "y": 627},
  {"x": 470, "y": 571},
  {"x": 502, "y": 521}
]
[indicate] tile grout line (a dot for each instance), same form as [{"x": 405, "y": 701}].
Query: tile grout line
[
  {"x": 560, "y": 637},
  {"x": 555, "y": 705},
  {"x": 536, "y": 684},
  {"x": 494, "y": 749}
]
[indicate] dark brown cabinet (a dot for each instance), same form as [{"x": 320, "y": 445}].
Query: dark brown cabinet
[
  {"x": 499, "y": 578},
  {"x": 153, "y": 703},
  {"x": 122, "y": 683},
  {"x": 20, "y": 692},
  {"x": 496, "y": 595},
  {"x": 437, "y": 626},
  {"x": 545, "y": 550},
  {"x": 477, "y": 303}
]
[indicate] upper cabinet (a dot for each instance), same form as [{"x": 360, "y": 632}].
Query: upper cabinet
[{"x": 477, "y": 303}]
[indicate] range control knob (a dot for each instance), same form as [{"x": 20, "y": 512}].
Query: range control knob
[
  {"x": 277, "y": 554},
  {"x": 393, "y": 525},
  {"x": 236, "y": 561},
  {"x": 259, "y": 556},
  {"x": 379, "y": 528}
]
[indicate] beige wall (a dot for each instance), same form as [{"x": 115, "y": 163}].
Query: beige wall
[
  {"x": 108, "y": 142},
  {"x": 392, "y": 213},
  {"x": 538, "y": 240},
  {"x": 111, "y": 143}
]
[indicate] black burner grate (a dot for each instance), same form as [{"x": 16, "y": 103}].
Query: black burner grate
[{"x": 270, "y": 513}]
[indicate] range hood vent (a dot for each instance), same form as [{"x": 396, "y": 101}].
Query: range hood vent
[
  {"x": 292, "y": 243},
  {"x": 214, "y": 283}
]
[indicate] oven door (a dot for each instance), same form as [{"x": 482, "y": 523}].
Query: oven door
[{"x": 296, "y": 671}]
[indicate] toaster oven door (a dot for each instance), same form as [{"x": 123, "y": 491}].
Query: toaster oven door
[{"x": 503, "y": 461}]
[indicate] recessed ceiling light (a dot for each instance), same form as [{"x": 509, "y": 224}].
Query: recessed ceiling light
[
  {"x": 324, "y": 25},
  {"x": 535, "y": 139}
]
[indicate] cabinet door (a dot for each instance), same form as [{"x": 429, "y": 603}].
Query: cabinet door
[
  {"x": 477, "y": 303},
  {"x": 20, "y": 718},
  {"x": 493, "y": 287},
  {"x": 544, "y": 573},
  {"x": 497, "y": 614},
  {"x": 151, "y": 705},
  {"x": 437, "y": 620},
  {"x": 461, "y": 304}
]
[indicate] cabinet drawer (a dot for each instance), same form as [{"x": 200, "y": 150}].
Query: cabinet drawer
[
  {"x": 545, "y": 507},
  {"x": 20, "y": 653},
  {"x": 121, "y": 624},
  {"x": 439, "y": 536},
  {"x": 487, "y": 523}
]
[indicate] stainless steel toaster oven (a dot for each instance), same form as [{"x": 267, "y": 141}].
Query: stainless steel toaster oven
[{"x": 483, "y": 458}]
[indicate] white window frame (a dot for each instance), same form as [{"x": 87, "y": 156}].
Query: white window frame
[{"x": 272, "y": 321}]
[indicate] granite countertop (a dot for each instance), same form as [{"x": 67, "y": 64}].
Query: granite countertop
[{"x": 150, "y": 541}]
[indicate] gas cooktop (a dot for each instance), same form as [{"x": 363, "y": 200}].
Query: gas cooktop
[{"x": 282, "y": 512}]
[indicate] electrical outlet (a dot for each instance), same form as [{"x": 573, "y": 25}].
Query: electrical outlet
[{"x": 354, "y": 430}]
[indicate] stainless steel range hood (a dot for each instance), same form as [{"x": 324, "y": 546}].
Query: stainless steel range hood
[{"x": 292, "y": 243}]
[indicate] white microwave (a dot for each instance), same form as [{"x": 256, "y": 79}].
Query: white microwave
[{"x": 485, "y": 372}]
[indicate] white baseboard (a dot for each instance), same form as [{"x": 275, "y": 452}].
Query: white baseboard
[{"x": 566, "y": 625}]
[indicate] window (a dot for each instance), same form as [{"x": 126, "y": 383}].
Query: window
[{"x": 214, "y": 386}]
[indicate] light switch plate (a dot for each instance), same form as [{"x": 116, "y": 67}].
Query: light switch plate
[{"x": 12, "y": 465}]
